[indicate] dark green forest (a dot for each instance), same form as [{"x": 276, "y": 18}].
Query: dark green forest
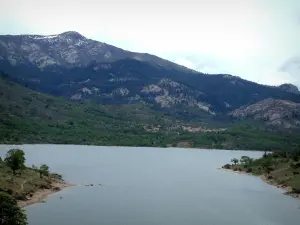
[{"x": 27, "y": 116}]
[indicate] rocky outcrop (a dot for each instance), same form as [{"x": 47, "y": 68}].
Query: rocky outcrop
[
  {"x": 289, "y": 88},
  {"x": 277, "y": 113}
]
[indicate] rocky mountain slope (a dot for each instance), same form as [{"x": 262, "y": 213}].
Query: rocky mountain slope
[
  {"x": 289, "y": 88},
  {"x": 69, "y": 49},
  {"x": 273, "y": 112},
  {"x": 78, "y": 68}
]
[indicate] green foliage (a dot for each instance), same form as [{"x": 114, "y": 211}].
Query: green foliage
[
  {"x": 10, "y": 213},
  {"x": 278, "y": 167},
  {"x": 15, "y": 159},
  {"x": 235, "y": 161},
  {"x": 44, "y": 170},
  {"x": 27, "y": 182},
  {"x": 246, "y": 160},
  {"x": 32, "y": 117},
  {"x": 242, "y": 137}
]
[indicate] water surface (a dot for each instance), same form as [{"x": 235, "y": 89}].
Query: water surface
[{"x": 155, "y": 186}]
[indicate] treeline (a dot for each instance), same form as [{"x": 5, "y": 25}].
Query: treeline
[{"x": 243, "y": 137}]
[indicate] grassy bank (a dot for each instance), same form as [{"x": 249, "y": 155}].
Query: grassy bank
[
  {"x": 28, "y": 185},
  {"x": 279, "y": 168}
]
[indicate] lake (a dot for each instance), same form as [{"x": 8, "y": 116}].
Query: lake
[{"x": 155, "y": 186}]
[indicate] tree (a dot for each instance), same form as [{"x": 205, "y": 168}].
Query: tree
[
  {"x": 10, "y": 213},
  {"x": 44, "y": 170},
  {"x": 267, "y": 165},
  {"x": 235, "y": 161},
  {"x": 246, "y": 160},
  {"x": 15, "y": 159}
]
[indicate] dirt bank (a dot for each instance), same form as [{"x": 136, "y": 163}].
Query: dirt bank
[{"x": 41, "y": 194}]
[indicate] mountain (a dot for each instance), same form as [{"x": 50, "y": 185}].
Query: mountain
[
  {"x": 273, "y": 112},
  {"x": 289, "y": 88},
  {"x": 79, "y": 68},
  {"x": 69, "y": 49}
]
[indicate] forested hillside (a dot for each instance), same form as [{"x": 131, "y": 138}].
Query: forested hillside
[{"x": 27, "y": 116}]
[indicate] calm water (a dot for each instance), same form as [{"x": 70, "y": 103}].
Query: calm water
[{"x": 153, "y": 186}]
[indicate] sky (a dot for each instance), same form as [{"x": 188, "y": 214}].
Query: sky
[{"x": 258, "y": 40}]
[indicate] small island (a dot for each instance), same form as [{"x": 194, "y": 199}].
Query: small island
[
  {"x": 21, "y": 186},
  {"x": 281, "y": 169}
]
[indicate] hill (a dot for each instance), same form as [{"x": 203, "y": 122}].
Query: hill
[{"x": 27, "y": 116}]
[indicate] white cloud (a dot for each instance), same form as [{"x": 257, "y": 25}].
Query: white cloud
[{"x": 249, "y": 38}]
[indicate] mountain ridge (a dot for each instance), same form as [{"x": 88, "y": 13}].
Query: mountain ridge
[{"x": 79, "y": 68}]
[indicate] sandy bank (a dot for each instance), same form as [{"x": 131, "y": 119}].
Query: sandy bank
[{"x": 42, "y": 194}]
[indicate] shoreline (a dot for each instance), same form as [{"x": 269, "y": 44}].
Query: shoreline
[
  {"x": 41, "y": 194},
  {"x": 287, "y": 189}
]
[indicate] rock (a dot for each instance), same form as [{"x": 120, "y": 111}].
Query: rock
[
  {"x": 289, "y": 88},
  {"x": 274, "y": 112}
]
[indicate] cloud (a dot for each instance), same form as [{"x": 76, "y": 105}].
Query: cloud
[{"x": 250, "y": 38}]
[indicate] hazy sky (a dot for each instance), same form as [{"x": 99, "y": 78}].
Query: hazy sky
[{"x": 258, "y": 40}]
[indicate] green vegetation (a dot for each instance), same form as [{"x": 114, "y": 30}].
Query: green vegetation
[
  {"x": 27, "y": 181},
  {"x": 27, "y": 116},
  {"x": 241, "y": 136},
  {"x": 279, "y": 168},
  {"x": 19, "y": 186},
  {"x": 15, "y": 159},
  {"x": 235, "y": 161},
  {"x": 44, "y": 170},
  {"x": 10, "y": 213}
]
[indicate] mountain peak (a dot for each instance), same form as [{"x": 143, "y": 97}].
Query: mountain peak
[
  {"x": 72, "y": 34},
  {"x": 289, "y": 88}
]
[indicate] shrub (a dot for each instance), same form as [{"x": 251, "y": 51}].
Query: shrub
[
  {"x": 249, "y": 170},
  {"x": 296, "y": 190},
  {"x": 10, "y": 213},
  {"x": 56, "y": 188},
  {"x": 227, "y": 166}
]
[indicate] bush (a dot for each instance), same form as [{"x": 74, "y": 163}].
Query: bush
[
  {"x": 227, "y": 166},
  {"x": 9, "y": 191},
  {"x": 296, "y": 190},
  {"x": 10, "y": 213},
  {"x": 20, "y": 196},
  {"x": 249, "y": 170},
  {"x": 295, "y": 166},
  {"x": 45, "y": 186},
  {"x": 56, "y": 188}
]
